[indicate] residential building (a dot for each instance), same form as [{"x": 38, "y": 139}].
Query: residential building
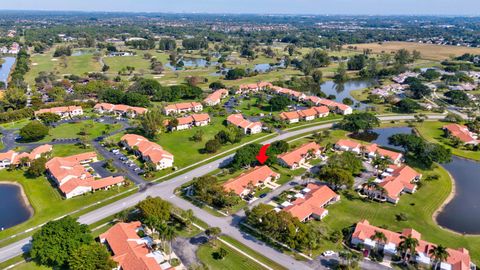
[
  {"x": 130, "y": 251},
  {"x": 73, "y": 176},
  {"x": 149, "y": 151},
  {"x": 462, "y": 133},
  {"x": 298, "y": 157},
  {"x": 63, "y": 112},
  {"x": 14, "y": 158},
  {"x": 185, "y": 107},
  {"x": 215, "y": 97},
  {"x": 312, "y": 203},
  {"x": 363, "y": 235},
  {"x": 257, "y": 176},
  {"x": 119, "y": 109},
  {"x": 334, "y": 106},
  {"x": 14, "y": 48},
  {"x": 247, "y": 126},
  {"x": 400, "y": 78},
  {"x": 253, "y": 87},
  {"x": 194, "y": 120},
  {"x": 304, "y": 115},
  {"x": 295, "y": 95},
  {"x": 348, "y": 145},
  {"x": 369, "y": 150}
]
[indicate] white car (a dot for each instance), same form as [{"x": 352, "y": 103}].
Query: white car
[{"x": 328, "y": 253}]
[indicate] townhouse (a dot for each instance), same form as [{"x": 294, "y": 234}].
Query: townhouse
[
  {"x": 119, "y": 109},
  {"x": 130, "y": 251},
  {"x": 299, "y": 156},
  {"x": 74, "y": 178},
  {"x": 194, "y": 120},
  {"x": 149, "y": 151},
  {"x": 185, "y": 107},
  {"x": 295, "y": 95},
  {"x": 400, "y": 78},
  {"x": 393, "y": 182},
  {"x": 312, "y": 202},
  {"x": 13, "y": 158},
  {"x": 335, "y": 107},
  {"x": 363, "y": 236},
  {"x": 369, "y": 150},
  {"x": 461, "y": 132},
  {"x": 63, "y": 112},
  {"x": 256, "y": 177},
  {"x": 253, "y": 87},
  {"x": 305, "y": 115},
  {"x": 216, "y": 97},
  {"x": 247, "y": 126}
]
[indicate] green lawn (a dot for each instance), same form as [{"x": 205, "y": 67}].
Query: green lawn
[
  {"x": 232, "y": 261},
  {"x": 418, "y": 207},
  {"x": 72, "y": 130},
  {"x": 65, "y": 150},
  {"x": 432, "y": 131}
]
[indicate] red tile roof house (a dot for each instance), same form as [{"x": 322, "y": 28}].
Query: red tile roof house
[
  {"x": 299, "y": 156},
  {"x": 289, "y": 93},
  {"x": 130, "y": 251},
  {"x": 348, "y": 145},
  {"x": 401, "y": 179},
  {"x": 119, "y": 109},
  {"x": 334, "y": 106},
  {"x": 194, "y": 120},
  {"x": 253, "y": 87},
  {"x": 73, "y": 178},
  {"x": 373, "y": 150},
  {"x": 458, "y": 259},
  {"x": 258, "y": 176},
  {"x": 248, "y": 127},
  {"x": 63, "y": 112},
  {"x": 215, "y": 97},
  {"x": 183, "y": 108},
  {"x": 149, "y": 151},
  {"x": 13, "y": 158},
  {"x": 312, "y": 205},
  {"x": 462, "y": 133}
]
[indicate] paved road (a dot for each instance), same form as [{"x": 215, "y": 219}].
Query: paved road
[{"x": 166, "y": 189}]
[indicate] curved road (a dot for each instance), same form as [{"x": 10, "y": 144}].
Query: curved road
[{"x": 165, "y": 190}]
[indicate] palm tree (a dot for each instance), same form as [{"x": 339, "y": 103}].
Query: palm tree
[
  {"x": 380, "y": 238},
  {"x": 169, "y": 234},
  {"x": 408, "y": 246},
  {"x": 439, "y": 253}
]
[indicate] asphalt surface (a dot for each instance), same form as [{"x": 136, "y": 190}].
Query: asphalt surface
[{"x": 165, "y": 190}]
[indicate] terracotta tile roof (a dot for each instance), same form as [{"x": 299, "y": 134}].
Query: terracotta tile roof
[
  {"x": 147, "y": 148},
  {"x": 296, "y": 155},
  {"x": 10, "y": 155},
  {"x": 106, "y": 182},
  {"x": 119, "y": 108},
  {"x": 239, "y": 121},
  {"x": 255, "y": 175},
  {"x": 400, "y": 179},
  {"x": 374, "y": 148},
  {"x": 216, "y": 96},
  {"x": 460, "y": 132},
  {"x": 129, "y": 250},
  {"x": 308, "y": 112},
  {"x": 289, "y": 115},
  {"x": 201, "y": 117},
  {"x": 313, "y": 202},
  {"x": 59, "y": 109},
  {"x": 182, "y": 106},
  {"x": 321, "y": 109},
  {"x": 458, "y": 258},
  {"x": 348, "y": 143},
  {"x": 15, "y": 157}
]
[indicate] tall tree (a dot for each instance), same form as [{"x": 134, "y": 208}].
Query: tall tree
[{"x": 91, "y": 257}]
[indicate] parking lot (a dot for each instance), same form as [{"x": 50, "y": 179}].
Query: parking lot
[{"x": 130, "y": 164}]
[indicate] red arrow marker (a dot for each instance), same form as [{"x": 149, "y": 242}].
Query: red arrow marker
[{"x": 262, "y": 155}]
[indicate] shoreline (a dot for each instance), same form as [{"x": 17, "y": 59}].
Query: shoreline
[{"x": 24, "y": 197}]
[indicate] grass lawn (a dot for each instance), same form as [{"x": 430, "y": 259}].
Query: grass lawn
[
  {"x": 31, "y": 266},
  {"x": 418, "y": 207},
  {"x": 432, "y": 131},
  {"x": 232, "y": 261},
  {"x": 65, "y": 150},
  {"x": 72, "y": 130},
  {"x": 47, "y": 201},
  {"x": 17, "y": 124}
]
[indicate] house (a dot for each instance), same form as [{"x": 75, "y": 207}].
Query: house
[
  {"x": 295, "y": 95},
  {"x": 13, "y": 158},
  {"x": 373, "y": 150},
  {"x": 248, "y": 127},
  {"x": 119, "y": 109},
  {"x": 403, "y": 76},
  {"x": 253, "y": 87},
  {"x": 14, "y": 48},
  {"x": 149, "y": 151},
  {"x": 63, "y": 112},
  {"x": 257, "y": 176},
  {"x": 290, "y": 117},
  {"x": 336, "y": 107},
  {"x": 296, "y": 158},
  {"x": 194, "y": 120},
  {"x": 396, "y": 181},
  {"x": 304, "y": 115},
  {"x": 130, "y": 251},
  {"x": 215, "y": 97},
  {"x": 183, "y": 108},
  {"x": 462, "y": 133},
  {"x": 348, "y": 145},
  {"x": 363, "y": 235},
  {"x": 313, "y": 202},
  {"x": 73, "y": 178}
]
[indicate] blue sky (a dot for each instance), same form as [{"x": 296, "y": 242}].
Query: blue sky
[{"x": 375, "y": 7}]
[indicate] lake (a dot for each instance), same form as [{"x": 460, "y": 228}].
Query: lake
[
  {"x": 342, "y": 90},
  {"x": 462, "y": 213},
  {"x": 6, "y": 68},
  {"x": 12, "y": 207},
  {"x": 193, "y": 62}
]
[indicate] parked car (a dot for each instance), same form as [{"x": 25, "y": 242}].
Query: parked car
[
  {"x": 328, "y": 253},
  {"x": 263, "y": 195}
]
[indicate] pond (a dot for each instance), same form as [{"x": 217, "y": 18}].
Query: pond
[
  {"x": 6, "y": 68},
  {"x": 12, "y": 206},
  {"x": 462, "y": 213},
  {"x": 83, "y": 52},
  {"x": 192, "y": 62},
  {"x": 342, "y": 90}
]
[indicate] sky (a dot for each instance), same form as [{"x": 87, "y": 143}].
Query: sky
[{"x": 351, "y": 7}]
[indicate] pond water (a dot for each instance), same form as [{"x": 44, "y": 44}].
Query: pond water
[
  {"x": 6, "y": 68},
  {"x": 12, "y": 207},
  {"x": 462, "y": 213},
  {"x": 192, "y": 62},
  {"x": 83, "y": 52},
  {"x": 342, "y": 90}
]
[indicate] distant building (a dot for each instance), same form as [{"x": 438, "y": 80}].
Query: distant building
[
  {"x": 63, "y": 112},
  {"x": 194, "y": 120},
  {"x": 183, "y": 108},
  {"x": 305, "y": 115},
  {"x": 14, "y": 158},
  {"x": 119, "y": 109},
  {"x": 215, "y": 97}
]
